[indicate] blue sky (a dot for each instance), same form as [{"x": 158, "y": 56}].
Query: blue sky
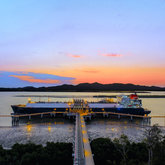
[
  {"x": 65, "y": 38},
  {"x": 22, "y": 79}
]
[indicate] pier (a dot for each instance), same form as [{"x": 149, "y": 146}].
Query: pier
[
  {"x": 72, "y": 114},
  {"x": 82, "y": 150},
  {"x": 79, "y": 112}
]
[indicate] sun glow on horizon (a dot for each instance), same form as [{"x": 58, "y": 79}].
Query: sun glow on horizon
[{"x": 105, "y": 75}]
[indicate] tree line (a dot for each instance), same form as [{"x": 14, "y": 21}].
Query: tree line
[{"x": 32, "y": 154}]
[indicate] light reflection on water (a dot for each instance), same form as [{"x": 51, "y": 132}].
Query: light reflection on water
[
  {"x": 42, "y": 130},
  {"x": 40, "y": 133}
]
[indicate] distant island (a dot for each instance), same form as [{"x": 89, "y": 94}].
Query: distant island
[{"x": 87, "y": 87}]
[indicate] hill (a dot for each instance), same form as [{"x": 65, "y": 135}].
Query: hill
[{"x": 88, "y": 87}]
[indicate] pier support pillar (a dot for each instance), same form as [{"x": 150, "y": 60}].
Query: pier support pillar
[
  {"x": 131, "y": 118},
  {"x": 118, "y": 116},
  {"x": 15, "y": 121},
  {"x": 29, "y": 117},
  {"x": 149, "y": 121},
  {"x": 41, "y": 115}
]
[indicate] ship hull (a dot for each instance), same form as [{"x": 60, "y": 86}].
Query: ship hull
[{"x": 29, "y": 110}]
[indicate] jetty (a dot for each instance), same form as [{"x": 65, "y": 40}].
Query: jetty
[{"x": 80, "y": 112}]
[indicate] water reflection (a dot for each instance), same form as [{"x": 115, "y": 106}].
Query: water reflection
[
  {"x": 114, "y": 128},
  {"x": 38, "y": 131},
  {"x": 29, "y": 128}
]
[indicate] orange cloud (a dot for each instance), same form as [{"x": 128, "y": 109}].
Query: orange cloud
[
  {"x": 111, "y": 55},
  {"x": 74, "y": 55},
  {"x": 88, "y": 70},
  {"x": 33, "y": 80}
]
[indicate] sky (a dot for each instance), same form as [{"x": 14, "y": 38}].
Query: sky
[{"x": 53, "y": 42}]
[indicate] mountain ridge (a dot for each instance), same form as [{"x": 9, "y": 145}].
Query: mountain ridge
[{"x": 88, "y": 87}]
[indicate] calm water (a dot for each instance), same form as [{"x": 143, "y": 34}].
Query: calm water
[{"x": 62, "y": 130}]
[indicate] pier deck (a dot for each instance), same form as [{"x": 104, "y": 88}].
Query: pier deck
[{"x": 82, "y": 153}]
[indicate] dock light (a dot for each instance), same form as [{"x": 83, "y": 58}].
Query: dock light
[
  {"x": 29, "y": 127},
  {"x": 103, "y": 109},
  {"x": 84, "y": 132},
  {"x": 29, "y": 100},
  {"x": 49, "y": 128},
  {"x": 87, "y": 153},
  {"x": 85, "y": 140},
  {"x": 66, "y": 109},
  {"x": 54, "y": 109}
]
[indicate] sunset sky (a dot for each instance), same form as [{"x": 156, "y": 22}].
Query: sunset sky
[{"x": 47, "y": 43}]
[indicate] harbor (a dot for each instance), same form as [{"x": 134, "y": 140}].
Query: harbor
[
  {"x": 79, "y": 110},
  {"x": 85, "y": 124}
]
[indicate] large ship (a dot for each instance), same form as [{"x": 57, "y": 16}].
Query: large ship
[{"x": 122, "y": 104}]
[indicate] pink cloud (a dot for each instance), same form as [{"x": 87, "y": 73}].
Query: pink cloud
[
  {"x": 75, "y": 56},
  {"x": 111, "y": 55}
]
